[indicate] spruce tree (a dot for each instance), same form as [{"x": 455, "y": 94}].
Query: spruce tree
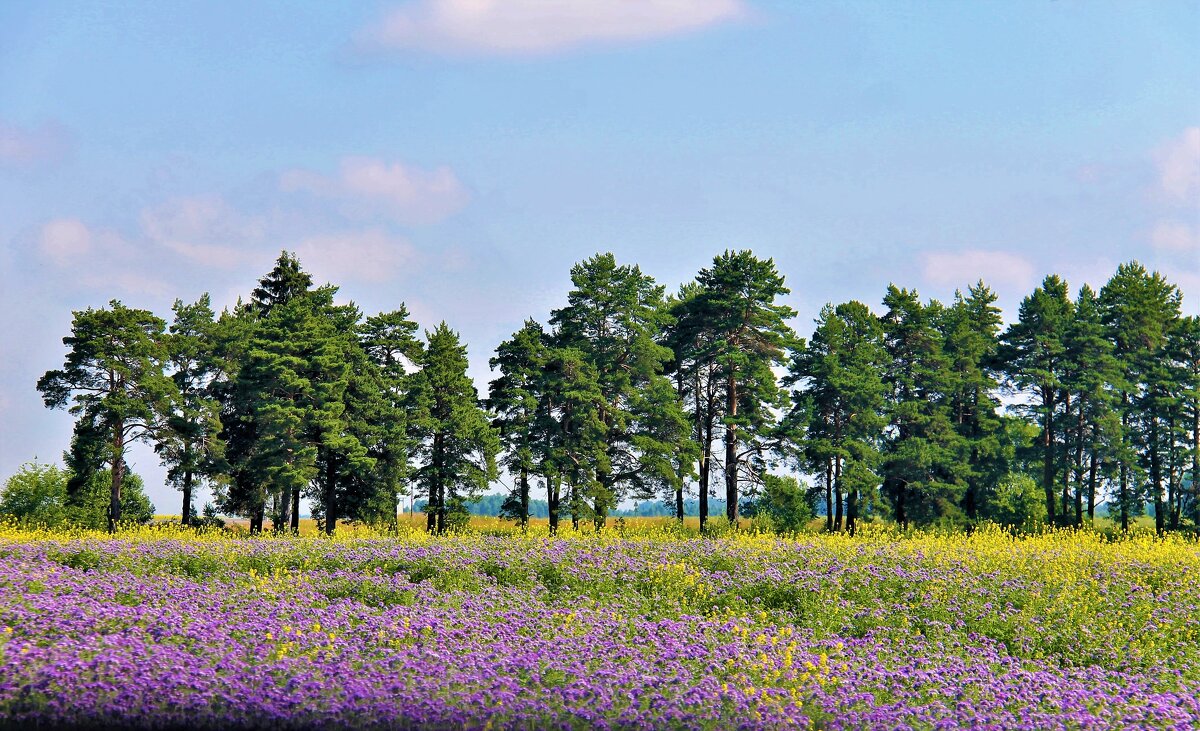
[
  {"x": 456, "y": 446},
  {"x": 514, "y": 398}
]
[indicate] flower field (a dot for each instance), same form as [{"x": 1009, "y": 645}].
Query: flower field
[{"x": 162, "y": 629}]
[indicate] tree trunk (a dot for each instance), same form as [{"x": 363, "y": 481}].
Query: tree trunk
[
  {"x": 1048, "y": 453},
  {"x": 294, "y": 525},
  {"x": 331, "y": 508},
  {"x": 552, "y": 494},
  {"x": 731, "y": 459},
  {"x": 1092, "y": 473},
  {"x": 837, "y": 492},
  {"x": 1081, "y": 431},
  {"x": 1156, "y": 476},
  {"x": 851, "y": 509},
  {"x": 187, "y": 498},
  {"x": 1196, "y": 461},
  {"x": 573, "y": 496},
  {"x": 284, "y": 510},
  {"x": 1066, "y": 491},
  {"x": 829, "y": 495},
  {"x": 118, "y": 475},
  {"x": 1124, "y": 488},
  {"x": 524, "y": 486}
]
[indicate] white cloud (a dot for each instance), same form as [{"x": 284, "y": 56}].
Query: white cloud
[
  {"x": 365, "y": 186},
  {"x": 1002, "y": 270},
  {"x": 1176, "y": 237},
  {"x": 1179, "y": 167},
  {"x": 530, "y": 27},
  {"x": 205, "y": 229},
  {"x": 22, "y": 146},
  {"x": 65, "y": 240},
  {"x": 372, "y": 255}
]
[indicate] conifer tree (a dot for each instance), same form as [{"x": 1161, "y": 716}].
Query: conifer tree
[
  {"x": 189, "y": 446},
  {"x": 749, "y": 337},
  {"x": 970, "y": 340},
  {"x": 614, "y": 316},
  {"x": 456, "y": 446},
  {"x": 1035, "y": 352},
  {"x": 1139, "y": 309},
  {"x": 841, "y": 395},
  {"x": 925, "y": 457},
  {"x": 113, "y": 378},
  {"x": 514, "y": 398}
]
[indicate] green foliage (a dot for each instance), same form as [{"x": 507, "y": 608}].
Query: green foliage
[
  {"x": 455, "y": 445},
  {"x": 1019, "y": 503},
  {"x": 37, "y": 495},
  {"x": 114, "y": 381},
  {"x": 783, "y": 501}
]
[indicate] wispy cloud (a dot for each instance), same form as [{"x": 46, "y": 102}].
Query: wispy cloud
[
  {"x": 205, "y": 229},
  {"x": 366, "y": 186},
  {"x": 531, "y": 27},
  {"x": 65, "y": 240},
  {"x": 98, "y": 259},
  {"x": 1176, "y": 237},
  {"x": 1001, "y": 269},
  {"x": 371, "y": 255},
  {"x": 32, "y": 146},
  {"x": 1179, "y": 168}
]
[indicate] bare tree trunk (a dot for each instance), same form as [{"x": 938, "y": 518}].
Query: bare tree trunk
[
  {"x": 552, "y": 495},
  {"x": 837, "y": 492},
  {"x": 1092, "y": 474},
  {"x": 331, "y": 507},
  {"x": 1048, "y": 454},
  {"x": 1156, "y": 476},
  {"x": 1124, "y": 489},
  {"x": 524, "y": 487},
  {"x": 187, "y": 498},
  {"x": 1066, "y": 493},
  {"x": 731, "y": 458},
  {"x": 829, "y": 495},
  {"x": 118, "y": 475}
]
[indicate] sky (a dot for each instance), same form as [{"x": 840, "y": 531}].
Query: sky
[{"x": 460, "y": 155}]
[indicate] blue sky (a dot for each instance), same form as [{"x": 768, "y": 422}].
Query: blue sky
[{"x": 460, "y": 155}]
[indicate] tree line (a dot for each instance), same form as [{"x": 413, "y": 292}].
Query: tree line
[{"x": 924, "y": 413}]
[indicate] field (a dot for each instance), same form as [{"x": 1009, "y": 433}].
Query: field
[{"x": 158, "y": 628}]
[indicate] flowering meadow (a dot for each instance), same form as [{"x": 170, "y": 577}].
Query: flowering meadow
[{"x": 163, "y": 629}]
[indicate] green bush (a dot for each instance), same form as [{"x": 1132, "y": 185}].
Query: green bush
[{"x": 37, "y": 495}]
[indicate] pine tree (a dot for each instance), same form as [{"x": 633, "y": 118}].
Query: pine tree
[
  {"x": 925, "y": 457},
  {"x": 698, "y": 385},
  {"x": 749, "y": 337},
  {"x": 189, "y": 446},
  {"x": 970, "y": 330},
  {"x": 1139, "y": 309},
  {"x": 514, "y": 398},
  {"x": 392, "y": 348},
  {"x": 456, "y": 445},
  {"x": 113, "y": 377},
  {"x": 1035, "y": 356},
  {"x": 841, "y": 396},
  {"x": 1090, "y": 376},
  {"x": 614, "y": 316}
]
